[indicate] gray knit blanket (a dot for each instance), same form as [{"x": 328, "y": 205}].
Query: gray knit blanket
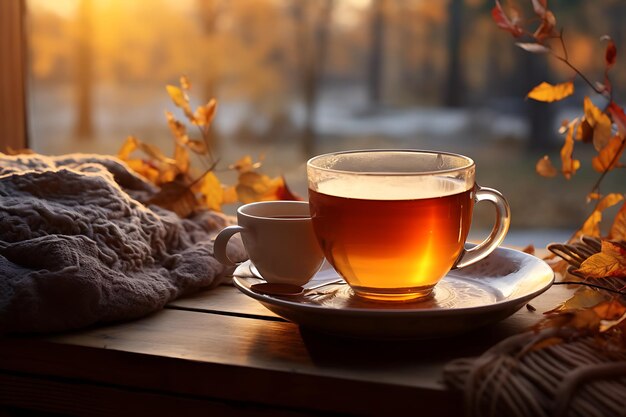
[{"x": 78, "y": 248}]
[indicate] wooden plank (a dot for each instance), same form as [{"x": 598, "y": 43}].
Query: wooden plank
[
  {"x": 12, "y": 78},
  {"x": 224, "y": 299},
  {"x": 74, "y": 398},
  {"x": 241, "y": 359}
]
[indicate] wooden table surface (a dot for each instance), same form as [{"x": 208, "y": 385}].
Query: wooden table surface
[{"x": 221, "y": 353}]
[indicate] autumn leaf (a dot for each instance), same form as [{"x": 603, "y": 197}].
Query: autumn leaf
[
  {"x": 609, "y": 262},
  {"x": 599, "y": 122},
  {"x": 184, "y": 83},
  {"x": 591, "y": 226},
  {"x": 610, "y": 55},
  {"x": 129, "y": 145},
  {"x": 583, "y": 297},
  {"x": 618, "y": 228},
  {"x": 245, "y": 164},
  {"x": 177, "y": 128},
  {"x": 548, "y": 93},
  {"x": 618, "y": 116},
  {"x": 204, "y": 114},
  {"x": 181, "y": 158},
  {"x": 503, "y": 21},
  {"x": 609, "y": 156},
  {"x": 284, "y": 193},
  {"x": 535, "y": 48},
  {"x": 175, "y": 196},
  {"x": 180, "y": 99},
  {"x": 609, "y": 201},
  {"x": 212, "y": 192},
  {"x": 569, "y": 166},
  {"x": 545, "y": 168},
  {"x": 177, "y": 95},
  {"x": 546, "y": 29}
]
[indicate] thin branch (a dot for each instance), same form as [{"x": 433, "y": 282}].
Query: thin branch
[
  {"x": 586, "y": 284},
  {"x": 211, "y": 168}
]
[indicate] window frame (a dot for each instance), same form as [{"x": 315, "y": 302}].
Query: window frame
[{"x": 13, "y": 123}]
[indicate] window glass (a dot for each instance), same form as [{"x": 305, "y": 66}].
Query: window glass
[{"x": 297, "y": 78}]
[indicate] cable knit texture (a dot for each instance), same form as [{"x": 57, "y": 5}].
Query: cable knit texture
[{"x": 78, "y": 248}]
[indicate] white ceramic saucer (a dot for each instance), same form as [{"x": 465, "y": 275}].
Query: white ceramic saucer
[{"x": 467, "y": 298}]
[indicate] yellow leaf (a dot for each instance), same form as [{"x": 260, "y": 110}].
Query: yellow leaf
[
  {"x": 545, "y": 168},
  {"x": 180, "y": 99},
  {"x": 608, "y": 157},
  {"x": 212, "y": 192},
  {"x": 177, "y": 95},
  {"x": 184, "y": 83},
  {"x": 548, "y": 93},
  {"x": 181, "y": 156},
  {"x": 245, "y": 164},
  {"x": 569, "y": 166},
  {"x": 129, "y": 145},
  {"x": 154, "y": 152},
  {"x": 204, "y": 114},
  {"x": 177, "y": 128}
]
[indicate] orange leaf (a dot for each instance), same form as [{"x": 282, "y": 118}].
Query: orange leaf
[
  {"x": 245, "y": 164},
  {"x": 181, "y": 156},
  {"x": 609, "y": 201},
  {"x": 591, "y": 227},
  {"x": 177, "y": 128},
  {"x": 129, "y": 145},
  {"x": 599, "y": 121},
  {"x": 204, "y": 114},
  {"x": 503, "y": 21},
  {"x": 184, "y": 83},
  {"x": 569, "y": 166},
  {"x": 618, "y": 229},
  {"x": 546, "y": 29},
  {"x": 545, "y": 168},
  {"x": 609, "y": 262},
  {"x": 609, "y": 156},
  {"x": 284, "y": 193},
  {"x": 548, "y": 93}
]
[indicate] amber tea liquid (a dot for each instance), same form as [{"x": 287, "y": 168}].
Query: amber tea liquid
[{"x": 392, "y": 241}]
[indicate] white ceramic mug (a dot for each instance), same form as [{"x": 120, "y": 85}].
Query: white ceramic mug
[{"x": 279, "y": 239}]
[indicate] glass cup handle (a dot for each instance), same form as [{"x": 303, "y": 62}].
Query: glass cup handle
[
  {"x": 221, "y": 243},
  {"x": 503, "y": 220}
]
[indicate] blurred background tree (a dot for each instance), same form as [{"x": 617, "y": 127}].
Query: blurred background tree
[{"x": 294, "y": 78}]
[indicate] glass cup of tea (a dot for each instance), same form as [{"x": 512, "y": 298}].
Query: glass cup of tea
[{"x": 393, "y": 223}]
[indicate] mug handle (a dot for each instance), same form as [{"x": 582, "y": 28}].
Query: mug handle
[
  {"x": 503, "y": 220},
  {"x": 221, "y": 242}
]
